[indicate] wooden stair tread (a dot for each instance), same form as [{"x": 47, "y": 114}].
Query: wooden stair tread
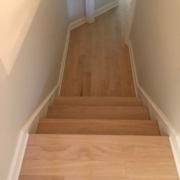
[
  {"x": 99, "y": 156},
  {"x": 98, "y": 101},
  {"x": 86, "y": 178},
  {"x": 99, "y": 112},
  {"x": 96, "y": 126}
]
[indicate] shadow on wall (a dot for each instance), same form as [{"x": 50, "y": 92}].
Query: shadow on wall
[
  {"x": 31, "y": 72},
  {"x": 15, "y": 19}
]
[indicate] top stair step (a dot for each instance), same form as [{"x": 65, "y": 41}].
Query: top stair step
[{"x": 98, "y": 101}]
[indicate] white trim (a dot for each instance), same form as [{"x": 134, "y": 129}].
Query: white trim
[
  {"x": 106, "y": 8},
  {"x": 98, "y": 12},
  {"x": 90, "y": 11},
  {"x": 18, "y": 156},
  {"x": 165, "y": 125},
  {"x": 77, "y": 23},
  {"x": 130, "y": 20},
  {"x": 133, "y": 67},
  {"x": 61, "y": 74}
]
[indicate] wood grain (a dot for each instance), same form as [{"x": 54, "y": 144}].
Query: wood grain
[
  {"x": 73, "y": 168},
  {"x": 151, "y": 169},
  {"x": 94, "y": 178},
  {"x": 76, "y": 149},
  {"x": 97, "y": 101},
  {"x": 98, "y": 62},
  {"x": 99, "y": 112},
  {"x": 99, "y": 127},
  {"x": 40, "y": 177},
  {"x": 99, "y": 156},
  {"x": 85, "y": 178},
  {"x": 115, "y": 178}
]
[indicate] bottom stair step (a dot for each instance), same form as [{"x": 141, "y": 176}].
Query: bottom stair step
[
  {"x": 97, "y": 157},
  {"x": 85, "y": 178},
  {"x": 94, "y": 126}
]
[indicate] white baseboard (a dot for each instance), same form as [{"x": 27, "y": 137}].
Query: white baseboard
[
  {"x": 64, "y": 60},
  {"x": 18, "y": 156},
  {"x": 106, "y": 8},
  {"x": 98, "y": 12},
  {"x": 165, "y": 125},
  {"x": 29, "y": 128},
  {"x": 77, "y": 23}
]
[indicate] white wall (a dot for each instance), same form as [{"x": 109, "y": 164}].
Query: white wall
[
  {"x": 77, "y": 8},
  {"x": 32, "y": 37},
  {"x": 155, "y": 39},
  {"x": 123, "y": 10},
  {"x": 100, "y": 3}
]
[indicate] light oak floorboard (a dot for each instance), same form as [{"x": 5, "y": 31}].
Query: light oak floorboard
[
  {"x": 98, "y": 127},
  {"x": 97, "y": 101},
  {"x": 98, "y": 62},
  {"x": 99, "y": 156},
  {"x": 159, "y": 169},
  {"x": 73, "y": 168},
  {"x": 115, "y": 178},
  {"x": 40, "y": 177},
  {"x": 99, "y": 112},
  {"x": 94, "y": 178}
]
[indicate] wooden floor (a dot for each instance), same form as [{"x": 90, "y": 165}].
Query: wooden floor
[
  {"x": 89, "y": 157},
  {"x": 98, "y": 62}
]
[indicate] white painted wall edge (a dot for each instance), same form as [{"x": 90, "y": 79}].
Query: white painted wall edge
[
  {"x": 64, "y": 60},
  {"x": 32, "y": 123},
  {"x": 90, "y": 11},
  {"x": 165, "y": 125},
  {"x": 130, "y": 21},
  {"x": 98, "y": 12}
]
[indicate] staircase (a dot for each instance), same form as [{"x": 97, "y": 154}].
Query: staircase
[{"x": 98, "y": 138}]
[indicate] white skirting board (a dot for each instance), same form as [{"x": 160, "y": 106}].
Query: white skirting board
[
  {"x": 61, "y": 73},
  {"x": 29, "y": 128},
  {"x": 106, "y": 8},
  {"x": 77, "y": 23},
  {"x": 32, "y": 123},
  {"x": 165, "y": 125},
  {"x": 98, "y": 12}
]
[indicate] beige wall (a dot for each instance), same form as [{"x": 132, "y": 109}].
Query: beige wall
[
  {"x": 155, "y": 39},
  {"x": 32, "y": 41}
]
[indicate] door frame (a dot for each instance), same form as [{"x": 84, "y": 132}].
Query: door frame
[
  {"x": 90, "y": 11},
  {"x": 130, "y": 20}
]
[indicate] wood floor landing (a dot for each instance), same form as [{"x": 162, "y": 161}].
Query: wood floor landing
[
  {"x": 98, "y": 62},
  {"x": 99, "y": 157}
]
